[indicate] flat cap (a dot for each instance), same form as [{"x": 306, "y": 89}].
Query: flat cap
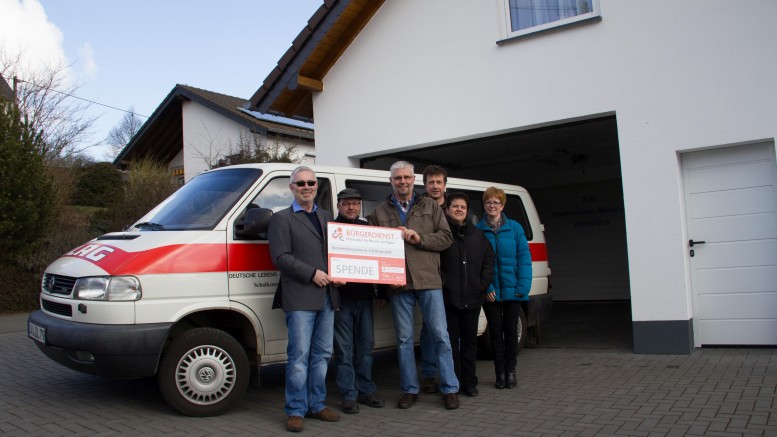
[{"x": 349, "y": 193}]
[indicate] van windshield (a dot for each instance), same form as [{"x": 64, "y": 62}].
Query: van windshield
[{"x": 202, "y": 202}]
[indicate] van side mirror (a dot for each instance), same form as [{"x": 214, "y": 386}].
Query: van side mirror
[{"x": 254, "y": 225}]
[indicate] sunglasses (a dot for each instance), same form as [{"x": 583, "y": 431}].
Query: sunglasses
[{"x": 302, "y": 183}]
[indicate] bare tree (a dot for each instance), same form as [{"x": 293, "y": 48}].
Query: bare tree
[
  {"x": 215, "y": 149},
  {"x": 121, "y": 135},
  {"x": 257, "y": 149},
  {"x": 45, "y": 98},
  {"x": 250, "y": 148}
]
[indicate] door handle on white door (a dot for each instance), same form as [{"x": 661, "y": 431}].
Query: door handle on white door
[{"x": 691, "y": 242}]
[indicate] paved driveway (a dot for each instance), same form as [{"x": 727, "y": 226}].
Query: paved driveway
[{"x": 561, "y": 391}]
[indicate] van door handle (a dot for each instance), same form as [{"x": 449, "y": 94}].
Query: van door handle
[{"x": 691, "y": 242}]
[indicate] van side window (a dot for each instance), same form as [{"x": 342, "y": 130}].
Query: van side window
[
  {"x": 373, "y": 193},
  {"x": 516, "y": 211},
  {"x": 276, "y": 195},
  {"x": 324, "y": 195}
]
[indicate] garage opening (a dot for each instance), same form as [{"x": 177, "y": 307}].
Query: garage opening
[{"x": 573, "y": 173}]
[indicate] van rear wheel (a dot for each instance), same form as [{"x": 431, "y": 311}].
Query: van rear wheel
[
  {"x": 484, "y": 341},
  {"x": 203, "y": 372}
]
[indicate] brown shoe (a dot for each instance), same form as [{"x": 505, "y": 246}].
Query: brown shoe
[
  {"x": 407, "y": 400},
  {"x": 429, "y": 385},
  {"x": 294, "y": 423},
  {"x": 372, "y": 399},
  {"x": 350, "y": 406},
  {"x": 325, "y": 415},
  {"x": 451, "y": 401}
]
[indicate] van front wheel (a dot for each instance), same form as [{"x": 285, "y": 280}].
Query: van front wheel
[{"x": 203, "y": 372}]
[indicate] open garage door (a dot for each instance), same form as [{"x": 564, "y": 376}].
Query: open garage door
[{"x": 573, "y": 174}]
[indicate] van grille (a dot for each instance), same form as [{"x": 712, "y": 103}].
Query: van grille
[
  {"x": 58, "y": 284},
  {"x": 62, "y": 309}
]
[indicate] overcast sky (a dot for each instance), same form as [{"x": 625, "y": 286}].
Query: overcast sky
[{"x": 132, "y": 53}]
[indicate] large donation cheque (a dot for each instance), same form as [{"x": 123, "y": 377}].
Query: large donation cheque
[{"x": 369, "y": 254}]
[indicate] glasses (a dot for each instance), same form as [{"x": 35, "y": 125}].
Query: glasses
[
  {"x": 349, "y": 204},
  {"x": 493, "y": 203},
  {"x": 302, "y": 183}
]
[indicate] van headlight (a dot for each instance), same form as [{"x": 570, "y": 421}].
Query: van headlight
[{"x": 111, "y": 288}]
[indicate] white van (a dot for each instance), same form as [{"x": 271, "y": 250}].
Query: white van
[{"x": 186, "y": 293}]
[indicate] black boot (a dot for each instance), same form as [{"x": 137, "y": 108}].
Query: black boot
[
  {"x": 511, "y": 380},
  {"x": 500, "y": 380}
]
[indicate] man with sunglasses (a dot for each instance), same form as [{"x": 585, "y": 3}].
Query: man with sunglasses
[
  {"x": 354, "y": 325},
  {"x": 297, "y": 237}
]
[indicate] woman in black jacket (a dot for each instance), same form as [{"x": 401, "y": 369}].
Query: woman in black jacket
[{"x": 467, "y": 269}]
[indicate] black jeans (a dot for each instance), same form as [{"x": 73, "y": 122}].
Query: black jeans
[
  {"x": 463, "y": 331},
  {"x": 503, "y": 326}
]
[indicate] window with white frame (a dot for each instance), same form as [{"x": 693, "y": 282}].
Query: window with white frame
[{"x": 522, "y": 17}]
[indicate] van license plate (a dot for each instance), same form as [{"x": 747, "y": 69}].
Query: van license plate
[{"x": 37, "y": 333}]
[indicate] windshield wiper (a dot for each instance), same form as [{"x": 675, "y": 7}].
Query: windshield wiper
[{"x": 151, "y": 225}]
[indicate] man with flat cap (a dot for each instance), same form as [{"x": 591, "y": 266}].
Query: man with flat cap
[{"x": 354, "y": 324}]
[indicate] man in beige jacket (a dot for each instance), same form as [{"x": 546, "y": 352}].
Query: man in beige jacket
[{"x": 426, "y": 234}]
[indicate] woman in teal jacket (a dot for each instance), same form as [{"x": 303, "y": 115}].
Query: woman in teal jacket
[{"x": 510, "y": 286}]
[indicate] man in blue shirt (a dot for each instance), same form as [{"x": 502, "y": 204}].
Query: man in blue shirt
[{"x": 309, "y": 298}]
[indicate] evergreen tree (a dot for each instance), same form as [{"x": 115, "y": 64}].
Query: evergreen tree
[
  {"x": 148, "y": 183},
  {"x": 98, "y": 184},
  {"x": 26, "y": 190}
]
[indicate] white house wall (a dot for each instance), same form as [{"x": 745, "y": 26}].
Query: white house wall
[
  {"x": 678, "y": 76},
  {"x": 177, "y": 161},
  {"x": 209, "y": 136}
]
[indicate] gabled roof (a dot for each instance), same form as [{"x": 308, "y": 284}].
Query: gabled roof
[
  {"x": 161, "y": 136},
  {"x": 289, "y": 88},
  {"x": 6, "y": 92}
]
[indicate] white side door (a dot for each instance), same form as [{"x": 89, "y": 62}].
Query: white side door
[{"x": 731, "y": 201}]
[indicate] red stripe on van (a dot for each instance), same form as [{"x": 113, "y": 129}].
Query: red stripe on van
[
  {"x": 538, "y": 252},
  {"x": 179, "y": 258},
  {"x": 176, "y": 258},
  {"x": 249, "y": 257}
]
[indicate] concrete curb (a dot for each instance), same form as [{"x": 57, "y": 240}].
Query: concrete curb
[{"x": 13, "y": 322}]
